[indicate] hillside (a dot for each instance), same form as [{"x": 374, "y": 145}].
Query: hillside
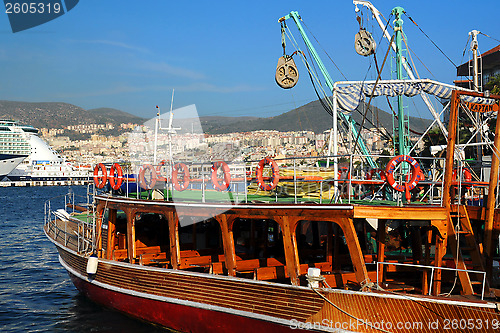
[
  {"x": 310, "y": 116},
  {"x": 59, "y": 115}
]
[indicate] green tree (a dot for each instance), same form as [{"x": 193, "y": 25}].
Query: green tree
[{"x": 493, "y": 85}]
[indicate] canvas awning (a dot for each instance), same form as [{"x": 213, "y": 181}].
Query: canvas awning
[{"x": 349, "y": 96}]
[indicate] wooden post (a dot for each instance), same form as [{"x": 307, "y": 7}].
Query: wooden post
[
  {"x": 490, "y": 205},
  {"x": 357, "y": 258},
  {"x": 173, "y": 234},
  {"x": 438, "y": 262},
  {"x": 381, "y": 235},
  {"x": 427, "y": 261},
  {"x": 111, "y": 233},
  {"x": 130, "y": 234},
  {"x": 329, "y": 244},
  {"x": 226, "y": 227},
  {"x": 290, "y": 245}
]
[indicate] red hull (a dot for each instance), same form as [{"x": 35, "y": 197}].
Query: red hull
[{"x": 175, "y": 316}]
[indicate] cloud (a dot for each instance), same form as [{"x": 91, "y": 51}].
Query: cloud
[
  {"x": 163, "y": 67},
  {"x": 113, "y": 43}
]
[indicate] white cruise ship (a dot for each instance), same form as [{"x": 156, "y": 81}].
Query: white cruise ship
[
  {"x": 44, "y": 164},
  {"x": 14, "y": 145}
]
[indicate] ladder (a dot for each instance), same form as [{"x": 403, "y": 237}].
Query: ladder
[{"x": 468, "y": 280}]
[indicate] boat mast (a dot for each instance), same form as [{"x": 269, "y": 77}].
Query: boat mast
[{"x": 398, "y": 30}]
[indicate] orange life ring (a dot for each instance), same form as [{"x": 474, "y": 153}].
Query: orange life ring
[
  {"x": 275, "y": 178},
  {"x": 227, "y": 176},
  {"x": 185, "y": 179},
  {"x": 100, "y": 181},
  {"x": 119, "y": 176},
  {"x": 158, "y": 170},
  {"x": 415, "y": 171},
  {"x": 144, "y": 184}
]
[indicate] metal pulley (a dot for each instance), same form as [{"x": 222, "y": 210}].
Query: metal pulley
[
  {"x": 287, "y": 74},
  {"x": 364, "y": 44}
]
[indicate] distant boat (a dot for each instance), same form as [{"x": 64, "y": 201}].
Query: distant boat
[
  {"x": 43, "y": 163},
  {"x": 14, "y": 146}
]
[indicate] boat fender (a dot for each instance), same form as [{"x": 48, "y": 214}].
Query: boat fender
[
  {"x": 175, "y": 180},
  {"x": 416, "y": 173},
  {"x": 100, "y": 181},
  {"x": 275, "y": 178},
  {"x": 142, "y": 179},
  {"x": 227, "y": 176},
  {"x": 115, "y": 181},
  {"x": 92, "y": 264}
]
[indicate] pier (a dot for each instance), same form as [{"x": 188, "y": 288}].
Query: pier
[{"x": 27, "y": 183}]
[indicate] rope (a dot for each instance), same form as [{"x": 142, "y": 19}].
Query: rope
[
  {"x": 373, "y": 90},
  {"x": 431, "y": 40},
  {"x": 348, "y": 314},
  {"x": 489, "y": 37}
]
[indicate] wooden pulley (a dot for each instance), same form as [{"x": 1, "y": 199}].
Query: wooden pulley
[
  {"x": 364, "y": 43},
  {"x": 287, "y": 74}
]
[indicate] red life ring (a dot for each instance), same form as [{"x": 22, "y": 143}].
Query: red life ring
[
  {"x": 416, "y": 172},
  {"x": 119, "y": 177},
  {"x": 227, "y": 176},
  {"x": 275, "y": 178},
  {"x": 185, "y": 179},
  {"x": 100, "y": 181},
  {"x": 158, "y": 170},
  {"x": 144, "y": 184},
  {"x": 372, "y": 172}
]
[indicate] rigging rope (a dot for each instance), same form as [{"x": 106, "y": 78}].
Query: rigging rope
[{"x": 430, "y": 39}]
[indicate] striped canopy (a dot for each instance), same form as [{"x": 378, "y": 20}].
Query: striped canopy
[{"x": 349, "y": 97}]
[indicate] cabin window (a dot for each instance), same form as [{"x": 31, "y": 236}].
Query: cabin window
[
  {"x": 151, "y": 230},
  {"x": 201, "y": 236},
  {"x": 257, "y": 239}
]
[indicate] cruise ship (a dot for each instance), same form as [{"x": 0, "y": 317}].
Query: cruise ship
[
  {"x": 45, "y": 164},
  {"x": 14, "y": 145}
]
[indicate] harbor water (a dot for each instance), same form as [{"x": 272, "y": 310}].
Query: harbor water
[{"x": 36, "y": 294}]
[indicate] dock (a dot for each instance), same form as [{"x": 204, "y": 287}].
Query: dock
[{"x": 27, "y": 183}]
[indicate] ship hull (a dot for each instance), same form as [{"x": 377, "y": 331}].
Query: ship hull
[
  {"x": 196, "y": 302},
  {"x": 9, "y": 162}
]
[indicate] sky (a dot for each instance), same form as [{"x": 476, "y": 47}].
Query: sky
[{"x": 219, "y": 55}]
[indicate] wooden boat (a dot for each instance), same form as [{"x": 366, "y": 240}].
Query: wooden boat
[{"x": 248, "y": 266}]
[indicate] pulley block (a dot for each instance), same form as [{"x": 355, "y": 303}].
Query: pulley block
[
  {"x": 364, "y": 43},
  {"x": 287, "y": 74}
]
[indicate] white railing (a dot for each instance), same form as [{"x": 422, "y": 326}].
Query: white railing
[{"x": 432, "y": 269}]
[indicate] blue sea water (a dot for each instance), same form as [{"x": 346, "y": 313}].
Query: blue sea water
[{"x": 36, "y": 294}]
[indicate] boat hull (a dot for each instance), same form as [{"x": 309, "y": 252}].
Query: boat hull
[{"x": 197, "y": 302}]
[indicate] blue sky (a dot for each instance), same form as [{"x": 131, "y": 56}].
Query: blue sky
[{"x": 219, "y": 55}]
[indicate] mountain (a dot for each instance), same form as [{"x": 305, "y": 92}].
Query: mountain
[
  {"x": 117, "y": 116},
  {"x": 311, "y": 116},
  {"x": 59, "y": 115}
]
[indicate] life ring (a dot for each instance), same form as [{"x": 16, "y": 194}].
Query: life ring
[
  {"x": 100, "y": 181},
  {"x": 185, "y": 179},
  {"x": 227, "y": 176},
  {"x": 275, "y": 178},
  {"x": 373, "y": 172},
  {"x": 416, "y": 173},
  {"x": 142, "y": 180},
  {"x": 119, "y": 176},
  {"x": 158, "y": 170}
]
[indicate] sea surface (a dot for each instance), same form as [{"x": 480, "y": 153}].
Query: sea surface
[{"x": 36, "y": 294}]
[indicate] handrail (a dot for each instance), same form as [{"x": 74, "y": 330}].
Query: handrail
[{"x": 432, "y": 268}]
